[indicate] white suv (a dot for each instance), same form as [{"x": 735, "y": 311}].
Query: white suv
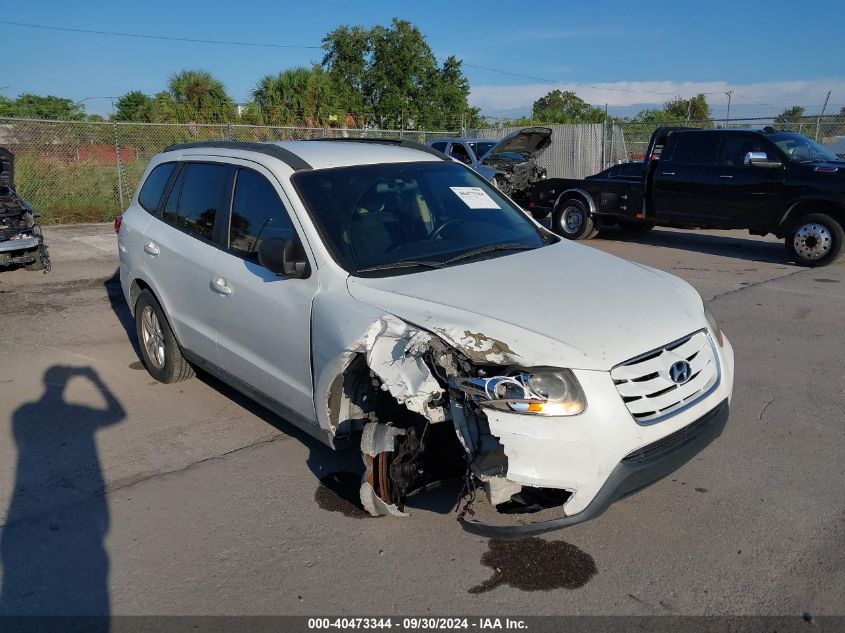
[{"x": 379, "y": 295}]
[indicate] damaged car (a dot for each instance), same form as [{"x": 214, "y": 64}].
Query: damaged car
[
  {"x": 386, "y": 300},
  {"x": 509, "y": 164},
  {"x": 21, "y": 240}
]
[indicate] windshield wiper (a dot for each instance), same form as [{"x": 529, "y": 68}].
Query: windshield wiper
[
  {"x": 400, "y": 264},
  {"x": 507, "y": 246}
]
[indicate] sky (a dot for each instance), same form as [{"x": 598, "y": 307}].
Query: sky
[{"x": 629, "y": 55}]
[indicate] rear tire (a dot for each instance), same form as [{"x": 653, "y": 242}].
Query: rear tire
[
  {"x": 571, "y": 219},
  {"x": 815, "y": 239},
  {"x": 160, "y": 351}
]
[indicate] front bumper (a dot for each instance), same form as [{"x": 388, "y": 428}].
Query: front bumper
[
  {"x": 18, "y": 244},
  {"x": 637, "y": 470}
]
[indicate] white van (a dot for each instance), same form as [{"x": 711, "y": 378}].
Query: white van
[{"x": 380, "y": 296}]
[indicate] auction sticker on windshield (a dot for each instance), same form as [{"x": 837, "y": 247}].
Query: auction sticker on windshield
[{"x": 475, "y": 197}]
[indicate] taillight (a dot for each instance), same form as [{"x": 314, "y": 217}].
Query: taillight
[{"x": 117, "y": 222}]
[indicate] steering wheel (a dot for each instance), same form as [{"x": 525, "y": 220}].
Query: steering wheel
[{"x": 436, "y": 232}]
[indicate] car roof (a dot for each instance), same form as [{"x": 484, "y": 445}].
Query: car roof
[
  {"x": 462, "y": 140},
  {"x": 317, "y": 154}
]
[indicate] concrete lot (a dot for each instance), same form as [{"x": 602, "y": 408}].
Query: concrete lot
[{"x": 124, "y": 495}]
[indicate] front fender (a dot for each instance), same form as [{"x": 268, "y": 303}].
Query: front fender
[{"x": 793, "y": 209}]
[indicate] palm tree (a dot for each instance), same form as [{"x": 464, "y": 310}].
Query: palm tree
[
  {"x": 200, "y": 98},
  {"x": 295, "y": 96}
]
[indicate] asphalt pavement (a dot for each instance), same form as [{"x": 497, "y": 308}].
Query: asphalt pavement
[{"x": 122, "y": 495}]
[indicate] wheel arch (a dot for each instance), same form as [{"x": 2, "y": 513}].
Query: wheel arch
[
  {"x": 804, "y": 206},
  {"x": 138, "y": 285},
  {"x": 580, "y": 194}
]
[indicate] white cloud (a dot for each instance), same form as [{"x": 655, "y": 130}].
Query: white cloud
[{"x": 764, "y": 95}]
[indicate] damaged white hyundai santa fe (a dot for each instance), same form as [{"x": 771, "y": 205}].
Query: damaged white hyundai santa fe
[{"x": 380, "y": 296}]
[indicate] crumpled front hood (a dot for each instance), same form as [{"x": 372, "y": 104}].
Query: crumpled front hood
[
  {"x": 530, "y": 141},
  {"x": 563, "y": 305}
]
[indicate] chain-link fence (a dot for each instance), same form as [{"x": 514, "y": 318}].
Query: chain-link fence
[
  {"x": 576, "y": 150},
  {"x": 80, "y": 171}
]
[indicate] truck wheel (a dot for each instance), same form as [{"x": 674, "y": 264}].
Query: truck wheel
[
  {"x": 815, "y": 239},
  {"x": 160, "y": 352},
  {"x": 572, "y": 220},
  {"x": 641, "y": 226}
]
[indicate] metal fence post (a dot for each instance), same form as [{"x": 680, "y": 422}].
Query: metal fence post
[{"x": 119, "y": 167}]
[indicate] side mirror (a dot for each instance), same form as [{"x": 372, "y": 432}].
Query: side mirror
[
  {"x": 283, "y": 257},
  {"x": 761, "y": 159}
]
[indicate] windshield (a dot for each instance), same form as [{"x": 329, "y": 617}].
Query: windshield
[
  {"x": 512, "y": 156},
  {"x": 405, "y": 217},
  {"x": 482, "y": 147},
  {"x": 801, "y": 149}
]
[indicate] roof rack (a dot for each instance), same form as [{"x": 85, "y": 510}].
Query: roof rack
[
  {"x": 389, "y": 141},
  {"x": 270, "y": 149}
]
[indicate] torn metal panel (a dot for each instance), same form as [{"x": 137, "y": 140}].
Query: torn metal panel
[
  {"x": 479, "y": 347},
  {"x": 394, "y": 352}
]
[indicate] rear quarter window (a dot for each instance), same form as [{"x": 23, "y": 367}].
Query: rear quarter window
[
  {"x": 200, "y": 192},
  {"x": 150, "y": 195}
]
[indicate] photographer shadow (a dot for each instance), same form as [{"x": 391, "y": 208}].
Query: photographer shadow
[{"x": 52, "y": 544}]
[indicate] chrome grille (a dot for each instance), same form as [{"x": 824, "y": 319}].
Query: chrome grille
[{"x": 646, "y": 387}]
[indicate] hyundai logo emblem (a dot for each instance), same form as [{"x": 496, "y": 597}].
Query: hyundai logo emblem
[{"x": 680, "y": 372}]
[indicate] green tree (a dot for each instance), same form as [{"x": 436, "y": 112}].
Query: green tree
[
  {"x": 34, "y": 106},
  {"x": 653, "y": 116},
  {"x": 565, "y": 107},
  {"x": 134, "y": 106},
  {"x": 347, "y": 50},
  {"x": 198, "y": 98},
  {"x": 297, "y": 96},
  {"x": 790, "y": 118},
  {"x": 450, "y": 103},
  {"x": 163, "y": 108},
  {"x": 693, "y": 109},
  {"x": 391, "y": 74},
  {"x": 401, "y": 77}
]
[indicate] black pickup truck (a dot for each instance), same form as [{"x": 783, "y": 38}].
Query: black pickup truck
[{"x": 765, "y": 181}]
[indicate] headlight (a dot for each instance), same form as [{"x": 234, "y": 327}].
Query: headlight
[
  {"x": 714, "y": 326},
  {"x": 541, "y": 391}
]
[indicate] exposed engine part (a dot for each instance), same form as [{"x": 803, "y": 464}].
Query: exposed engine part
[
  {"x": 21, "y": 240},
  {"x": 394, "y": 468},
  {"x": 415, "y": 380},
  {"x": 378, "y": 445}
]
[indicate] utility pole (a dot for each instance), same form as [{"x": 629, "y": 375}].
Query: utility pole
[
  {"x": 728, "y": 116},
  {"x": 819, "y": 118}
]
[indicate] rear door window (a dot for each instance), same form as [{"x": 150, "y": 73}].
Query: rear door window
[
  {"x": 257, "y": 213},
  {"x": 440, "y": 147},
  {"x": 150, "y": 194},
  {"x": 200, "y": 192},
  {"x": 692, "y": 148}
]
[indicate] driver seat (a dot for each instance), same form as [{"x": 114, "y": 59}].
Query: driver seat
[{"x": 374, "y": 231}]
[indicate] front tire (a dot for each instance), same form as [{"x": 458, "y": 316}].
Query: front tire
[
  {"x": 815, "y": 239},
  {"x": 571, "y": 219},
  {"x": 160, "y": 352}
]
